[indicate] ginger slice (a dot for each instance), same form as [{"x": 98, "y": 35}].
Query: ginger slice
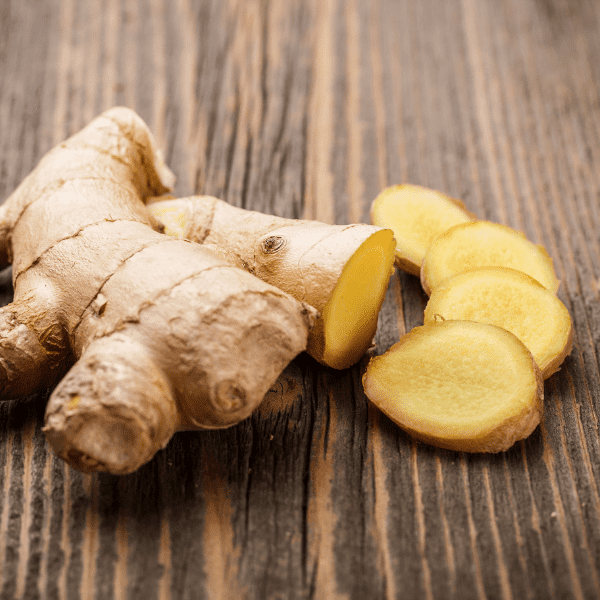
[
  {"x": 459, "y": 385},
  {"x": 485, "y": 244},
  {"x": 417, "y": 215},
  {"x": 511, "y": 300}
]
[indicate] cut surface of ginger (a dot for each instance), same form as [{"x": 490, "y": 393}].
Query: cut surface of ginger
[
  {"x": 511, "y": 300},
  {"x": 350, "y": 316},
  {"x": 416, "y": 215},
  {"x": 485, "y": 244},
  {"x": 459, "y": 385}
]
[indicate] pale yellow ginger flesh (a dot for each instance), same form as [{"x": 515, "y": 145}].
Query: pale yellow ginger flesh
[
  {"x": 341, "y": 270},
  {"x": 485, "y": 244},
  {"x": 350, "y": 315},
  {"x": 459, "y": 385},
  {"x": 417, "y": 215},
  {"x": 511, "y": 300}
]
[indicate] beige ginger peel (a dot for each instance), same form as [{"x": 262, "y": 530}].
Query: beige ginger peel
[{"x": 157, "y": 334}]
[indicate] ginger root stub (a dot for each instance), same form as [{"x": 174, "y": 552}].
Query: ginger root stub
[
  {"x": 341, "y": 270},
  {"x": 459, "y": 385},
  {"x": 160, "y": 334}
]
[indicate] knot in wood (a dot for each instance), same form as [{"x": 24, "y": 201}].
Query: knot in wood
[{"x": 273, "y": 244}]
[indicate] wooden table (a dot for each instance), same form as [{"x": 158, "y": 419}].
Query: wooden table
[{"x": 309, "y": 108}]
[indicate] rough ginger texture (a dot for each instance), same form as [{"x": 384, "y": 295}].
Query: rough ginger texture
[
  {"x": 156, "y": 334},
  {"x": 341, "y": 270}
]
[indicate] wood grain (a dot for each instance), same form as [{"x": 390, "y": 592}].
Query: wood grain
[{"x": 309, "y": 108}]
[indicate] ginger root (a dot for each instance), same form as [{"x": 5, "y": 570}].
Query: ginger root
[
  {"x": 511, "y": 300},
  {"x": 485, "y": 244},
  {"x": 417, "y": 215},
  {"x": 459, "y": 385},
  {"x": 157, "y": 334},
  {"x": 341, "y": 270}
]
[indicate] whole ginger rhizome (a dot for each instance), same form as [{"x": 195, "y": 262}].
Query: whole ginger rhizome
[{"x": 149, "y": 334}]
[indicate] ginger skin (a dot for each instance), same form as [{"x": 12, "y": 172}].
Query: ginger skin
[
  {"x": 157, "y": 334},
  {"x": 341, "y": 270}
]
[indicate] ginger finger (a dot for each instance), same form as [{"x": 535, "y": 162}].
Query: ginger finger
[
  {"x": 341, "y": 270},
  {"x": 24, "y": 365},
  {"x": 114, "y": 394}
]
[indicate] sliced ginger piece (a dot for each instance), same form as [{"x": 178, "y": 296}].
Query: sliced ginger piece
[
  {"x": 459, "y": 385},
  {"x": 417, "y": 215},
  {"x": 511, "y": 300},
  {"x": 485, "y": 244}
]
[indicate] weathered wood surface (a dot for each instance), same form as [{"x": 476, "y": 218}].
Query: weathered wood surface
[{"x": 310, "y": 107}]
